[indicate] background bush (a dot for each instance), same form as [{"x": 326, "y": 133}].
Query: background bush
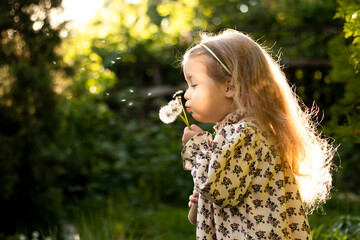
[{"x": 79, "y": 114}]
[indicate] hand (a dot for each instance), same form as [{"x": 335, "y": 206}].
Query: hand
[
  {"x": 194, "y": 198},
  {"x": 190, "y": 132}
]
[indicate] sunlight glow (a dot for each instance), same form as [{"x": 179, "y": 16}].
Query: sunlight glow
[
  {"x": 132, "y": 1},
  {"x": 79, "y": 12}
]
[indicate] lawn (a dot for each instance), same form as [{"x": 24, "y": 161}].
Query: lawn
[{"x": 116, "y": 218}]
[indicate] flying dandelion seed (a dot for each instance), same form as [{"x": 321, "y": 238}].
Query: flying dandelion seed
[
  {"x": 131, "y": 91},
  {"x": 82, "y": 69},
  {"x": 123, "y": 100},
  {"x": 103, "y": 41},
  {"x": 118, "y": 58},
  {"x": 107, "y": 94},
  {"x": 112, "y": 62},
  {"x": 54, "y": 62},
  {"x": 130, "y": 104},
  {"x": 149, "y": 94}
]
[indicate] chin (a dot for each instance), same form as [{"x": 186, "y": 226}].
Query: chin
[
  {"x": 202, "y": 120},
  {"x": 197, "y": 118}
]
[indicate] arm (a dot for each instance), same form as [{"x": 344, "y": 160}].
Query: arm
[{"x": 222, "y": 168}]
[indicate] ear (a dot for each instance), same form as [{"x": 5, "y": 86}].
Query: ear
[{"x": 230, "y": 89}]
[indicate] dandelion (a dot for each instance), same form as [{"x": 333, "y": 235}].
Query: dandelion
[
  {"x": 173, "y": 109},
  {"x": 178, "y": 93},
  {"x": 176, "y": 107},
  {"x": 167, "y": 115}
]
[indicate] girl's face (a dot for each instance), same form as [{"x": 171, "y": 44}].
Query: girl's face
[{"x": 208, "y": 100}]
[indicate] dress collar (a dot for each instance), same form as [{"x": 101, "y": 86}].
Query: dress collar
[{"x": 231, "y": 118}]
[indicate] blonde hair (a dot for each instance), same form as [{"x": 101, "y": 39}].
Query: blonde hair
[{"x": 263, "y": 93}]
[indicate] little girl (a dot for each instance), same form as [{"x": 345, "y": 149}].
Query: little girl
[{"x": 266, "y": 166}]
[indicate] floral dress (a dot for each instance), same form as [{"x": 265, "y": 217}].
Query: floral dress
[{"x": 246, "y": 190}]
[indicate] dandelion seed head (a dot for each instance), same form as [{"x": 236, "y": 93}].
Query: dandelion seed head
[
  {"x": 167, "y": 115},
  {"x": 176, "y": 107},
  {"x": 178, "y": 93}
]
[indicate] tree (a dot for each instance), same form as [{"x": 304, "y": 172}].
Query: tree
[
  {"x": 344, "y": 125},
  {"x": 30, "y": 194}
]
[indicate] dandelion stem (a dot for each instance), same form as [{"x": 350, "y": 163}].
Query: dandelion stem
[{"x": 185, "y": 119}]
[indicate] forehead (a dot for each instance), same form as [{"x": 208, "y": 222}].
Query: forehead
[{"x": 193, "y": 65}]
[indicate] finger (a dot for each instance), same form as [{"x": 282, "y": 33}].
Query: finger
[
  {"x": 194, "y": 200},
  {"x": 186, "y": 129},
  {"x": 196, "y": 128}
]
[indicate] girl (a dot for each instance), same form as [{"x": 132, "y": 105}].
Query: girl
[{"x": 266, "y": 166}]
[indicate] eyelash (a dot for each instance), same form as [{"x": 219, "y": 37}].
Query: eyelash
[{"x": 194, "y": 85}]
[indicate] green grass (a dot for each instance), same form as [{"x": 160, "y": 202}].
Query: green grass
[
  {"x": 116, "y": 218},
  {"x": 338, "y": 220},
  {"x": 119, "y": 220}
]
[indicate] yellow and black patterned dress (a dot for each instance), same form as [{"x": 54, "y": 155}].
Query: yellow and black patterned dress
[{"x": 246, "y": 191}]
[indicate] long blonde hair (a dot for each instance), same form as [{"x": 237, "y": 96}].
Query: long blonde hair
[{"x": 263, "y": 93}]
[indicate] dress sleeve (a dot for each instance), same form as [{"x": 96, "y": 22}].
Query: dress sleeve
[{"x": 223, "y": 168}]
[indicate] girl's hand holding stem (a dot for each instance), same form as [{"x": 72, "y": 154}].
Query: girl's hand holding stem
[{"x": 189, "y": 132}]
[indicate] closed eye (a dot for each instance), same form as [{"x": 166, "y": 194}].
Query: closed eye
[{"x": 193, "y": 85}]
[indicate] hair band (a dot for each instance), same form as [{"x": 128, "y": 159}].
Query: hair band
[{"x": 214, "y": 55}]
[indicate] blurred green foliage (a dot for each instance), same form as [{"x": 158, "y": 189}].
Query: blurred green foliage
[
  {"x": 29, "y": 118},
  {"x": 79, "y": 115}
]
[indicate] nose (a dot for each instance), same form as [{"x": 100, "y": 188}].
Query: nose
[{"x": 187, "y": 94}]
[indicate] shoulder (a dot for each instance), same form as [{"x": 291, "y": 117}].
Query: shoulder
[{"x": 243, "y": 127}]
